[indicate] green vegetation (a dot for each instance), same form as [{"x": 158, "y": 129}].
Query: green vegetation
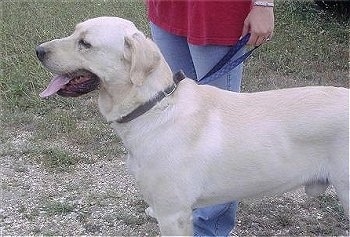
[{"x": 309, "y": 47}]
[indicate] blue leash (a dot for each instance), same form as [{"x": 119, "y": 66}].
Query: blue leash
[{"x": 226, "y": 64}]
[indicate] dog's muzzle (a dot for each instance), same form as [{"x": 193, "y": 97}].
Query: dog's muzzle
[{"x": 71, "y": 84}]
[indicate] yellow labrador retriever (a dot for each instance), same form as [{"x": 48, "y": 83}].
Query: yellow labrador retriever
[{"x": 191, "y": 146}]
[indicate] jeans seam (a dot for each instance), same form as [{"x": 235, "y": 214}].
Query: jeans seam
[
  {"x": 227, "y": 207},
  {"x": 228, "y": 82}
]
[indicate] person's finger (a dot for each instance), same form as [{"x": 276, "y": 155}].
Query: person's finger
[
  {"x": 245, "y": 30},
  {"x": 252, "y": 40}
]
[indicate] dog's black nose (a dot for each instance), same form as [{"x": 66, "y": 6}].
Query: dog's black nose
[{"x": 40, "y": 52}]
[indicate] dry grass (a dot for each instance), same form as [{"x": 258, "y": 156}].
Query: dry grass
[{"x": 62, "y": 168}]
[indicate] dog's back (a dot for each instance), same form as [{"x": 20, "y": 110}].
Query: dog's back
[{"x": 279, "y": 140}]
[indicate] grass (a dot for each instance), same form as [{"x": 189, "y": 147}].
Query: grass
[
  {"x": 309, "y": 47},
  {"x": 70, "y": 122},
  {"x": 54, "y": 207}
]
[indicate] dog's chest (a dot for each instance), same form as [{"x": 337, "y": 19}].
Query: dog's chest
[{"x": 144, "y": 174}]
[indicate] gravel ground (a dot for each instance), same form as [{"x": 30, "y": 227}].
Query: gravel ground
[
  {"x": 97, "y": 198},
  {"x": 100, "y": 198}
]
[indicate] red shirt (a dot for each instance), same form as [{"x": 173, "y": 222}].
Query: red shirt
[{"x": 203, "y": 22}]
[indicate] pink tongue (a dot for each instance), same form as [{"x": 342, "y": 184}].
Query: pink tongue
[{"x": 55, "y": 85}]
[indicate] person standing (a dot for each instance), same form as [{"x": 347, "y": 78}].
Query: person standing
[{"x": 193, "y": 35}]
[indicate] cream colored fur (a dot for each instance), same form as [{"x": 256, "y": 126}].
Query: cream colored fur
[{"x": 202, "y": 145}]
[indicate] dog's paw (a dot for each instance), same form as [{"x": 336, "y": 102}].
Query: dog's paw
[{"x": 149, "y": 211}]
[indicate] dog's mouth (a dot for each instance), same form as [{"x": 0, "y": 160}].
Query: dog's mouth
[{"x": 72, "y": 84}]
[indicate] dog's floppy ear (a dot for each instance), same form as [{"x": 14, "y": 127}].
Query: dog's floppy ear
[{"x": 142, "y": 55}]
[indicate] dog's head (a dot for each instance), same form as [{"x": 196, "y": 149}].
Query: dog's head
[{"x": 101, "y": 52}]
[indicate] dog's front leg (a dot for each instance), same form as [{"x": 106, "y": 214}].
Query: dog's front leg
[{"x": 175, "y": 223}]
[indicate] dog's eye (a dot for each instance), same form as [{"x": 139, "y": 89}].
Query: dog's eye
[{"x": 84, "y": 44}]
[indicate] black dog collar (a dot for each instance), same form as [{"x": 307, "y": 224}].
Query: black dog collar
[{"x": 140, "y": 110}]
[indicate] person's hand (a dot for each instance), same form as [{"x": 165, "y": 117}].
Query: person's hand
[{"x": 260, "y": 24}]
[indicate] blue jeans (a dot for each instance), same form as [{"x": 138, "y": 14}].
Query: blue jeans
[{"x": 196, "y": 61}]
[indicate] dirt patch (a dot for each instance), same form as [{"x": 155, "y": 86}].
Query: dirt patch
[
  {"x": 93, "y": 199},
  {"x": 100, "y": 199}
]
